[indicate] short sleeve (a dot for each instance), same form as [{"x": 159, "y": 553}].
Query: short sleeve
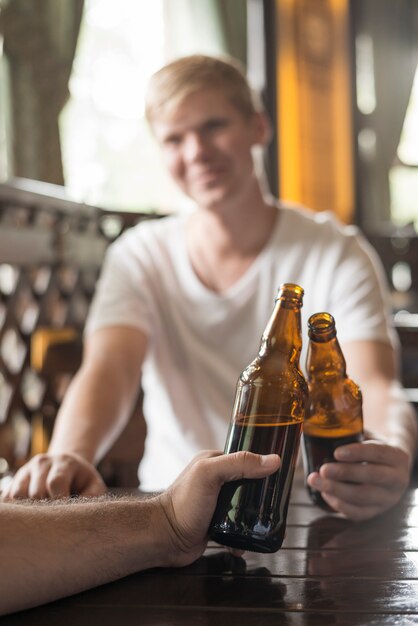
[
  {"x": 360, "y": 296},
  {"x": 121, "y": 297}
]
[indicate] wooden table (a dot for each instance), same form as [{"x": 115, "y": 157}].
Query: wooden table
[{"x": 328, "y": 572}]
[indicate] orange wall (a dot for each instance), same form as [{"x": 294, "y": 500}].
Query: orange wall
[{"x": 314, "y": 114}]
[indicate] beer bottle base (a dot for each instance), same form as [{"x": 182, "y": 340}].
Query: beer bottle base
[{"x": 248, "y": 543}]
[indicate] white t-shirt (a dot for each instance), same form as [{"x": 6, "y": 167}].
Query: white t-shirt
[{"x": 200, "y": 341}]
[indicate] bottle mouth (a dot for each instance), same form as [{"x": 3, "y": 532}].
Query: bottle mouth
[
  {"x": 321, "y": 324},
  {"x": 291, "y": 291}
]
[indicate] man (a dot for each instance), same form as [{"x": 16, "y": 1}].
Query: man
[
  {"x": 57, "y": 549},
  {"x": 183, "y": 301}
]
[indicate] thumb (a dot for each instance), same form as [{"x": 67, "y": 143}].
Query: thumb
[{"x": 238, "y": 465}]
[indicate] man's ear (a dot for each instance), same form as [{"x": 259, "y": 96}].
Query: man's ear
[{"x": 263, "y": 131}]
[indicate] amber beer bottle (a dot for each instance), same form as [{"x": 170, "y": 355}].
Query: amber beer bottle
[
  {"x": 334, "y": 415},
  {"x": 267, "y": 417}
]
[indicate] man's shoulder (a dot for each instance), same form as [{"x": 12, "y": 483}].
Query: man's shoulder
[
  {"x": 304, "y": 223},
  {"x": 149, "y": 232},
  {"x": 303, "y": 214}
]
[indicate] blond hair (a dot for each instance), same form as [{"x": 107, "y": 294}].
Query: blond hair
[{"x": 170, "y": 85}]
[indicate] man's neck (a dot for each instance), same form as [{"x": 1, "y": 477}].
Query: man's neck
[{"x": 222, "y": 244}]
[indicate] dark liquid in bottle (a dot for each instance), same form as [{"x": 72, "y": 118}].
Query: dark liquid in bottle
[
  {"x": 251, "y": 514},
  {"x": 320, "y": 450}
]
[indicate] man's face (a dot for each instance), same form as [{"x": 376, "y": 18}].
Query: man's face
[{"x": 206, "y": 144}]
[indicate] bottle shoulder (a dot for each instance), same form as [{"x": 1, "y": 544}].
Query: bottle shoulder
[
  {"x": 335, "y": 384},
  {"x": 273, "y": 370},
  {"x": 339, "y": 400}
]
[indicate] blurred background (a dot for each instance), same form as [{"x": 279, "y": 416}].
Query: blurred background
[
  {"x": 78, "y": 163},
  {"x": 339, "y": 78}
]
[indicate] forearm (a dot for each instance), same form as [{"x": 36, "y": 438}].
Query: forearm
[
  {"x": 52, "y": 550},
  {"x": 92, "y": 415},
  {"x": 99, "y": 401}
]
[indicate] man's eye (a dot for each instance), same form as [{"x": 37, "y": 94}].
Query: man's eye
[
  {"x": 216, "y": 124},
  {"x": 173, "y": 140}
]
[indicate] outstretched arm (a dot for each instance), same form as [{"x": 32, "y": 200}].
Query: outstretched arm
[
  {"x": 372, "y": 476},
  {"x": 95, "y": 409},
  {"x": 50, "y": 550}
]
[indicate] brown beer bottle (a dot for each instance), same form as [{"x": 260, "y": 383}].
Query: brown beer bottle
[
  {"x": 267, "y": 417},
  {"x": 334, "y": 415}
]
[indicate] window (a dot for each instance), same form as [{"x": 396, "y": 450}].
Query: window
[
  {"x": 386, "y": 113},
  {"x": 404, "y": 174},
  {"x": 109, "y": 156}
]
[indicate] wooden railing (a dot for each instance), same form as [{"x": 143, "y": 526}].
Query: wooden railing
[{"x": 51, "y": 251}]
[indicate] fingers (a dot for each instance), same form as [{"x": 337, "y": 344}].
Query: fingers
[
  {"x": 228, "y": 467},
  {"x": 369, "y": 479},
  {"x": 90, "y": 485},
  {"x": 357, "y": 502},
  {"x": 371, "y": 451},
  {"x": 55, "y": 476},
  {"x": 364, "y": 473},
  {"x": 372, "y": 462},
  {"x": 358, "y": 494},
  {"x": 352, "y": 511},
  {"x": 59, "y": 479},
  {"x": 18, "y": 487},
  {"x": 37, "y": 481},
  {"x": 72, "y": 475},
  {"x": 29, "y": 481}
]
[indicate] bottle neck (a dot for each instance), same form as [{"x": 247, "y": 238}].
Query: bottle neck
[
  {"x": 283, "y": 332},
  {"x": 325, "y": 360}
]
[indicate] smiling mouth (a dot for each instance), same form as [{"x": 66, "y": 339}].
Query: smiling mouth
[{"x": 209, "y": 176}]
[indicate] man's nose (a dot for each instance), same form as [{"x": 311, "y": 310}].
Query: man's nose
[{"x": 194, "y": 147}]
